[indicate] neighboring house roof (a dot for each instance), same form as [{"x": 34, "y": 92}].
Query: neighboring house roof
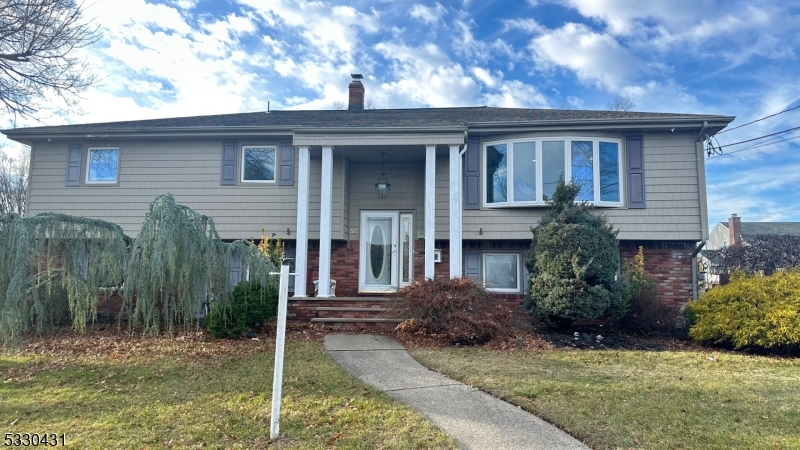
[
  {"x": 780, "y": 228},
  {"x": 473, "y": 117}
]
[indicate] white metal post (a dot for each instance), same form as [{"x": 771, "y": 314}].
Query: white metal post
[
  {"x": 325, "y": 218},
  {"x": 430, "y": 208},
  {"x": 280, "y": 338},
  {"x": 455, "y": 212},
  {"x": 301, "y": 253}
]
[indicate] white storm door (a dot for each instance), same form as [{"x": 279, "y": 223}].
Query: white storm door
[{"x": 378, "y": 258}]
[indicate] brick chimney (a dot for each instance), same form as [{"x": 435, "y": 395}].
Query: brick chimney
[
  {"x": 356, "y": 93},
  {"x": 735, "y": 229}
]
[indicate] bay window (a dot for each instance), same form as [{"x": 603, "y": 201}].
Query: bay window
[{"x": 522, "y": 172}]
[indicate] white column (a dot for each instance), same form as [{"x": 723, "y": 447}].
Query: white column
[
  {"x": 430, "y": 208},
  {"x": 455, "y": 212},
  {"x": 301, "y": 253},
  {"x": 325, "y": 217}
]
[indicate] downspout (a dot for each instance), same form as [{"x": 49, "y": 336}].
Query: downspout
[
  {"x": 703, "y": 211},
  {"x": 694, "y": 268},
  {"x": 702, "y": 130}
]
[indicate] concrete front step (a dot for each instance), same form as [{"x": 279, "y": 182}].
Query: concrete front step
[
  {"x": 343, "y": 308},
  {"x": 354, "y": 319},
  {"x": 362, "y": 322}
]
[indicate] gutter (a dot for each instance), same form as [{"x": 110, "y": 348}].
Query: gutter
[
  {"x": 195, "y": 131},
  {"x": 694, "y": 268}
]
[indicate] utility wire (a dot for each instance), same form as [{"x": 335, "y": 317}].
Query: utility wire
[
  {"x": 759, "y": 120},
  {"x": 761, "y": 137},
  {"x": 753, "y": 147}
]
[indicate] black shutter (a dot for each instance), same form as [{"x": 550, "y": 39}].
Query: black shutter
[
  {"x": 74, "y": 153},
  {"x": 472, "y": 264},
  {"x": 472, "y": 175},
  {"x": 228, "y": 175},
  {"x": 635, "y": 148},
  {"x": 236, "y": 270},
  {"x": 286, "y": 164}
]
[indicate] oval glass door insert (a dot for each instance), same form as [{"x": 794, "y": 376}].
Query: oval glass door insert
[{"x": 377, "y": 252}]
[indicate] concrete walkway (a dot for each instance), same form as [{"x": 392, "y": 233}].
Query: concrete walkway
[{"x": 474, "y": 419}]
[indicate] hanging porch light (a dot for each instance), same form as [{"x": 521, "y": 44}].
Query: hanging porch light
[{"x": 382, "y": 186}]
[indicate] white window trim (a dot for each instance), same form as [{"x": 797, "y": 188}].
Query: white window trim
[
  {"x": 567, "y": 170},
  {"x": 274, "y": 168},
  {"x": 518, "y": 289},
  {"x": 89, "y": 161}
]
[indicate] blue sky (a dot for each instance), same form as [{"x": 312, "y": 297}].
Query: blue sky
[{"x": 165, "y": 58}]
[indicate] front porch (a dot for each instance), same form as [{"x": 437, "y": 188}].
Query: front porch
[{"x": 341, "y": 220}]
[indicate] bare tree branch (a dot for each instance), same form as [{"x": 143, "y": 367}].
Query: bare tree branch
[
  {"x": 14, "y": 181},
  {"x": 621, "y": 103},
  {"x": 38, "y": 39}
]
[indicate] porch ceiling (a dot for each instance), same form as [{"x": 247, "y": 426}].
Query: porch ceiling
[{"x": 372, "y": 153}]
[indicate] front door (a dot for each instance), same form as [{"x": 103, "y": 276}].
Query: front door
[{"x": 385, "y": 259}]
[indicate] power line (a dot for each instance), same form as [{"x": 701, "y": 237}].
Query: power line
[
  {"x": 754, "y": 147},
  {"x": 759, "y": 120},
  {"x": 760, "y": 137}
]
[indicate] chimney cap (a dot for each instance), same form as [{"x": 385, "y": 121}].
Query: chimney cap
[{"x": 356, "y": 76}]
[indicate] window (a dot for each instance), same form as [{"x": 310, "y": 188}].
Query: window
[
  {"x": 501, "y": 272},
  {"x": 102, "y": 165},
  {"x": 524, "y": 172},
  {"x": 258, "y": 164}
]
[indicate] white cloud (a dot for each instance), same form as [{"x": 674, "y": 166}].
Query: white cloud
[
  {"x": 424, "y": 76},
  {"x": 527, "y": 25},
  {"x": 330, "y": 30},
  {"x": 467, "y": 45},
  {"x": 486, "y": 77},
  {"x": 594, "y": 57},
  {"x": 427, "y": 14},
  {"x": 620, "y": 16},
  {"x": 516, "y": 94}
]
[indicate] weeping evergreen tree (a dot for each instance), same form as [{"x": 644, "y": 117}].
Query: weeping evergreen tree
[
  {"x": 52, "y": 268},
  {"x": 177, "y": 262}
]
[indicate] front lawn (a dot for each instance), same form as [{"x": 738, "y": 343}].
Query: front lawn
[
  {"x": 613, "y": 399},
  {"x": 108, "y": 390}
]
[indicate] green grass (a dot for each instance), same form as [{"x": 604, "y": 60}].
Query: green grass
[
  {"x": 190, "y": 392},
  {"x": 639, "y": 399}
]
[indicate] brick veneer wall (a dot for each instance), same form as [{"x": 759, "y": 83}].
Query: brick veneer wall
[{"x": 669, "y": 262}]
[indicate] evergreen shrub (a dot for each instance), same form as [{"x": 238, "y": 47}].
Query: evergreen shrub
[
  {"x": 250, "y": 304},
  {"x": 573, "y": 263},
  {"x": 761, "y": 312},
  {"x": 459, "y": 309}
]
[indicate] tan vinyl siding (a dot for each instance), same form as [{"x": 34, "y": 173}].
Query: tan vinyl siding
[
  {"x": 190, "y": 170},
  {"x": 671, "y": 191},
  {"x": 314, "y": 194},
  {"x": 407, "y": 192}
]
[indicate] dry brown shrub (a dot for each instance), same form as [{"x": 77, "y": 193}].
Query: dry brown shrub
[
  {"x": 648, "y": 313},
  {"x": 457, "y": 309}
]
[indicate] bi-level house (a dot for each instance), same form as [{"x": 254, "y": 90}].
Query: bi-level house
[{"x": 375, "y": 199}]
